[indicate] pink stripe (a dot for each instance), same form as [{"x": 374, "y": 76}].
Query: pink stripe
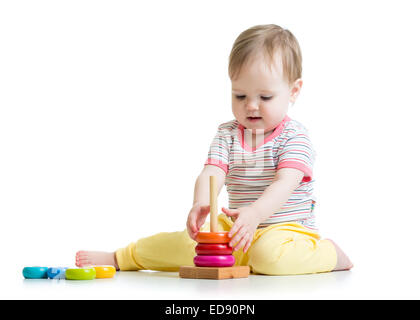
[
  {"x": 218, "y": 154},
  {"x": 217, "y": 163},
  {"x": 297, "y": 165},
  {"x": 218, "y": 144},
  {"x": 296, "y": 151},
  {"x": 298, "y": 160},
  {"x": 289, "y": 214},
  {"x": 267, "y": 179},
  {"x": 247, "y": 194},
  {"x": 252, "y": 169}
]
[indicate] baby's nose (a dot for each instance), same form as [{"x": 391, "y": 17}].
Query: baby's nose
[{"x": 251, "y": 105}]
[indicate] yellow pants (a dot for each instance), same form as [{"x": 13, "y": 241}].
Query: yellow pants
[{"x": 280, "y": 249}]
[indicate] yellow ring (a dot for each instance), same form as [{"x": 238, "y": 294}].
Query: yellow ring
[{"x": 103, "y": 272}]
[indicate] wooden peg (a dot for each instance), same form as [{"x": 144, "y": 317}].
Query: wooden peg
[{"x": 213, "y": 204}]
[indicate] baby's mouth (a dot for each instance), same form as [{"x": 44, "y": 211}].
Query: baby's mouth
[{"x": 254, "y": 118}]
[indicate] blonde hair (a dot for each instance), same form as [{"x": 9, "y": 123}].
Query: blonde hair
[{"x": 270, "y": 38}]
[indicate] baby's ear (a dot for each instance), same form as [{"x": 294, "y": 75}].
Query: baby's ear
[{"x": 295, "y": 90}]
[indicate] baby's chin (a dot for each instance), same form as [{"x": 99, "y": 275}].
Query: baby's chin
[{"x": 254, "y": 124}]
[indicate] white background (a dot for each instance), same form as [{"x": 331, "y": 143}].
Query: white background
[{"x": 107, "y": 110}]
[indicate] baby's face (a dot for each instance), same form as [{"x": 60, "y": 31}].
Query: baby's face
[{"x": 261, "y": 96}]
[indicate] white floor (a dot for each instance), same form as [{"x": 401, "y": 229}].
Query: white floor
[{"x": 167, "y": 285}]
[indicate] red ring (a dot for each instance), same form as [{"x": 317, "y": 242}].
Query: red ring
[
  {"x": 212, "y": 237},
  {"x": 213, "y": 249}
]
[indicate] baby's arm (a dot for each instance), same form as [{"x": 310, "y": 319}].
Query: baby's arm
[
  {"x": 276, "y": 195},
  {"x": 202, "y": 184},
  {"x": 273, "y": 198},
  {"x": 201, "y": 202}
]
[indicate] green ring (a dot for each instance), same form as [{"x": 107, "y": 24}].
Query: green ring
[{"x": 80, "y": 274}]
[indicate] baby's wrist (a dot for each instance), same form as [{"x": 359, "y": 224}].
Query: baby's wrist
[
  {"x": 258, "y": 212},
  {"x": 199, "y": 204}
]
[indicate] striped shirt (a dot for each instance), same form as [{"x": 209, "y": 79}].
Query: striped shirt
[{"x": 249, "y": 171}]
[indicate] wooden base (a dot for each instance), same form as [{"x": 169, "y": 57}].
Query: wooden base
[{"x": 214, "y": 272}]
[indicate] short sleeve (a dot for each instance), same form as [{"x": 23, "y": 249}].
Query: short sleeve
[
  {"x": 218, "y": 154},
  {"x": 298, "y": 153}
]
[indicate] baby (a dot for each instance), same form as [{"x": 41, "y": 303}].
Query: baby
[{"x": 265, "y": 159}]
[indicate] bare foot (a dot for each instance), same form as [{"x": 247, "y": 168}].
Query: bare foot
[
  {"x": 95, "y": 258},
  {"x": 343, "y": 262}
]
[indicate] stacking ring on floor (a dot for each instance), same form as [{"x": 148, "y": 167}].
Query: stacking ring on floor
[
  {"x": 214, "y": 261},
  {"x": 213, "y": 249},
  {"x": 80, "y": 274},
  {"x": 35, "y": 272},
  {"x": 103, "y": 272},
  {"x": 212, "y": 237},
  {"x": 56, "y": 273}
]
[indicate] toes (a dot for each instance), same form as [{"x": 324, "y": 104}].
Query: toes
[
  {"x": 82, "y": 258},
  {"x": 83, "y": 262},
  {"x": 81, "y": 253}
]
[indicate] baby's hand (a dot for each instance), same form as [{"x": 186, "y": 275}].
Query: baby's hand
[
  {"x": 244, "y": 227},
  {"x": 196, "y": 219}
]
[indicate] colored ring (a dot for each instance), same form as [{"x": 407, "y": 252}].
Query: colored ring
[
  {"x": 213, "y": 237},
  {"x": 80, "y": 274},
  {"x": 56, "y": 273},
  {"x": 35, "y": 272},
  {"x": 213, "y": 249},
  {"x": 103, "y": 272},
  {"x": 214, "y": 261}
]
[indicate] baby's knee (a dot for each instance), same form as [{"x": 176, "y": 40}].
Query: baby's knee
[
  {"x": 281, "y": 253},
  {"x": 270, "y": 258}
]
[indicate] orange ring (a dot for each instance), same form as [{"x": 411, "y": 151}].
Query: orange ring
[{"x": 212, "y": 237}]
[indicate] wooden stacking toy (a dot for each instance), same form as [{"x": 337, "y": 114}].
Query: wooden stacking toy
[{"x": 214, "y": 259}]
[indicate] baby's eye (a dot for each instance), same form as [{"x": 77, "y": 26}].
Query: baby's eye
[
  {"x": 265, "y": 98},
  {"x": 240, "y": 97}
]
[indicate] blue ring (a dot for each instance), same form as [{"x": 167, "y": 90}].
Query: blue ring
[
  {"x": 56, "y": 273},
  {"x": 35, "y": 272}
]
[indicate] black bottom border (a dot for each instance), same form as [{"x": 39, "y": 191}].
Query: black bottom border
[{"x": 213, "y": 309}]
